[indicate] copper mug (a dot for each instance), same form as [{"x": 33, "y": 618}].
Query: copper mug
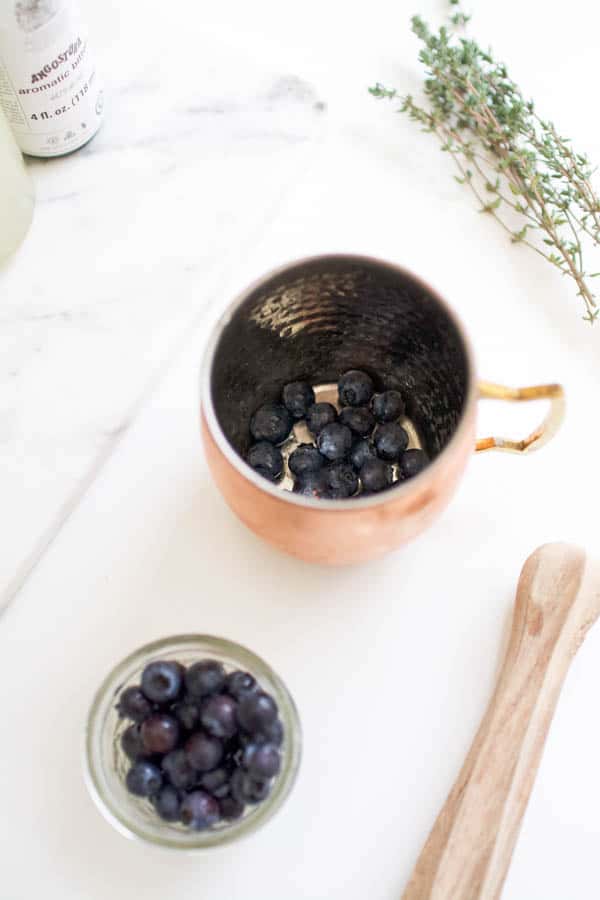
[{"x": 312, "y": 320}]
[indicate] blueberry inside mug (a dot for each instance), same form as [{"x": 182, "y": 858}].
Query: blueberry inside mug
[{"x": 318, "y": 317}]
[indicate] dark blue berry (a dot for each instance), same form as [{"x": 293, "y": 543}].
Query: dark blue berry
[
  {"x": 355, "y": 388},
  {"x": 131, "y": 742},
  {"x": 390, "y": 440},
  {"x": 178, "y": 769},
  {"x": 376, "y": 475},
  {"x": 205, "y": 677},
  {"x": 270, "y": 734},
  {"x": 222, "y": 791},
  {"x": 218, "y": 715},
  {"x": 342, "y": 481},
  {"x": 359, "y": 419},
  {"x": 388, "y": 406},
  {"x": 162, "y": 681},
  {"x": 247, "y": 789},
  {"x": 265, "y": 459},
  {"x": 412, "y": 462},
  {"x": 262, "y": 760},
  {"x": 305, "y": 459},
  {"x": 143, "y": 779},
  {"x": 360, "y": 452},
  {"x": 204, "y": 752},
  {"x": 187, "y": 714},
  {"x": 167, "y": 803},
  {"x": 216, "y": 782},
  {"x": 256, "y": 712},
  {"x": 313, "y": 484},
  {"x": 160, "y": 733},
  {"x": 271, "y": 422},
  {"x": 133, "y": 704},
  {"x": 274, "y": 732},
  {"x": 199, "y": 810},
  {"x": 319, "y": 415},
  {"x": 297, "y": 397},
  {"x": 239, "y": 683},
  {"x": 231, "y": 808},
  {"x": 238, "y": 780},
  {"x": 334, "y": 441}
]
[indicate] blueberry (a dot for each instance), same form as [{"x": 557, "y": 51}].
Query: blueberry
[
  {"x": 262, "y": 760},
  {"x": 412, "y": 462},
  {"x": 239, "y": 683},
  {"x": 204, "y": 752},
  {"x": 222, "y": 791},
  {"x": 231, "y": 809},
  {"x": 361, "y": 451},
  {"x": 313, "y": 484},
  {"x": 199, "y": 810},
  {"x": 334, "y": 441},
  {"x": 376, "y": 475},
  {"x": 247, "y": 789},
  {"x": 305, "y": 459},
  {"x": 265, "y": 459},
  {"x": 218, "y": 715},
  {"x": 162, "y": 681},
  {"x": 187, "y": 714},
  {"x": 390, "y": 440},
  {"x": 131, "y": 742},
  {"x": 205, "y": 677},
  {"x": 160, "y": 733},
  {"x": 216, "y": 782},
  {"x": 359, "y": 419},
  {"x": 270, "y": 734},
  {"x": 271, "y": 422},
  {"x": 177, "y": 767},
  {"x": 256, "y": 712},
  {"x": 342, "y": 481},
  {"x": 133, "y": 705},
  {"x": 237, "y": 785},
  {"x": 355, "y": 388},
  {"x": 319, "y": 415},
  {"x": 167, "y": 803},
  {"x": 388, "y": 406},
  {"x": 297, "y": 397},
  {"x": 274, "y": 732},
  {"x": 143, "y": 779}
]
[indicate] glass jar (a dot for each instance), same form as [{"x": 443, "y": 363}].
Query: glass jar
[{"x": 105, "y": 763}]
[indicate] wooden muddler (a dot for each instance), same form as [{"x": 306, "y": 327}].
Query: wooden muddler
[{"x": 468, "y": 852}]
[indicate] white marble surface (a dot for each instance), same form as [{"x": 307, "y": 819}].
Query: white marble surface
[{"x": 239, "y": 136}]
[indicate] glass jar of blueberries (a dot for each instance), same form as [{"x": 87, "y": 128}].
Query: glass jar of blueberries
[{"x": 191, "y": 742}]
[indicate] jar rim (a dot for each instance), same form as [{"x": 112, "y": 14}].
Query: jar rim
[{"x": 106, "y": 787}]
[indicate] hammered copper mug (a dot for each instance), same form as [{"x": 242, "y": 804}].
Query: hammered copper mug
[{"x": 312, "y": 320}]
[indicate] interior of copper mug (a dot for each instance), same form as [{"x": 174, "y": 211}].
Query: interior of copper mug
[{"x": 326, "y": 315}]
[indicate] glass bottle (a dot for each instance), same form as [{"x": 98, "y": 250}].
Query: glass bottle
[
  {"x": 49, "y": 88},
  {"x": 16, "y": 193}
]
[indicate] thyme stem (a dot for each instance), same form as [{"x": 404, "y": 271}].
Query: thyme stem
[{"x": 509, "y": 156}]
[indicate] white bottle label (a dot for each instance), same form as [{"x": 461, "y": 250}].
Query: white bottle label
[{"x": 48, "y": 84}]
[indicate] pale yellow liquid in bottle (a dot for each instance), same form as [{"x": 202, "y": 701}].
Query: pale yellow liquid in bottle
[{"x": 16, "y": 193}]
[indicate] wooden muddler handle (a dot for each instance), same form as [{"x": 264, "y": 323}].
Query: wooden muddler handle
[{"x": 468, "y": 852}]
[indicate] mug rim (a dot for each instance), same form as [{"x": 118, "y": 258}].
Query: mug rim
[{"x": 411, "y": 485}]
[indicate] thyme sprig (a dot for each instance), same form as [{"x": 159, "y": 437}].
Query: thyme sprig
[{"x": 518, "y": 166}]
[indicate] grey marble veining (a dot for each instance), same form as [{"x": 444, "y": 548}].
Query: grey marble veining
[{"x": 131, "y": 238}]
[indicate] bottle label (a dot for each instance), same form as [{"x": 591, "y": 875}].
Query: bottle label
[{"x": 48, "y": 85}]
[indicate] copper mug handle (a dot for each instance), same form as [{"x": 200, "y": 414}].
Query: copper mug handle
[{"x": 543, "y": 433}]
